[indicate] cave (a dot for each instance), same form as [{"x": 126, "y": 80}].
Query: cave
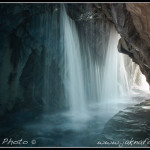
[{"x": 74, "y": 75}]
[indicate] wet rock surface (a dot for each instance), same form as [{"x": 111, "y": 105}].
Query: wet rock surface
[
  {"x": 22, "y": 56},
  {"x": 130, "y": 127}
]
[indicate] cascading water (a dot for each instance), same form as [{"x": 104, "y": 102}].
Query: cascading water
[
  {"x": 74, "y": 84},
  {"x": 114, "y": 82},
  {"x": 136, "y": 79},
  {"x": 95, "y": 76},
  {"x": 53, "y": 65},
  {"x": 88, "y": 79},
  {"x": 110, "y": 75}
]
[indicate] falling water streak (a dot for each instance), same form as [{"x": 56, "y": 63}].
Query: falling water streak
[
  {"x": 138, "y": 80},
  {"x": 109, "y": 82},
  {"x": 46, "y": 99},
  {"x": 93, "y": 60},
  {"x": 50, "y": 30},
  {"x": 115, "y": 86},
  {"x": 124, "y": 89},
  {"x": 74, "y": 85}
]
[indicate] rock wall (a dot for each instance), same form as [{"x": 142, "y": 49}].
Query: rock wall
[{"x": 23, "y": 47}]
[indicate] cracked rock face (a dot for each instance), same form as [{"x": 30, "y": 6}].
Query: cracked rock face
[
  {"x": 22, "y": 43},
  {"x": 140, "y": 14},
  {"x": 129, "y": 124}
]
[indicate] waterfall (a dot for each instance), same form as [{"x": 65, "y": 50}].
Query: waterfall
[
  {"x": 135, "y": 77},
  {"x": 114, "y": 81},
  {"x": 73, "y": 79},
  {"x": 110, "y": 75},
  {"x": 121, "y": 77},
  {"x": 93, "y": 75},
  {"x": 86, "y": 76},
  {"x": 89, "y": 71}
]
